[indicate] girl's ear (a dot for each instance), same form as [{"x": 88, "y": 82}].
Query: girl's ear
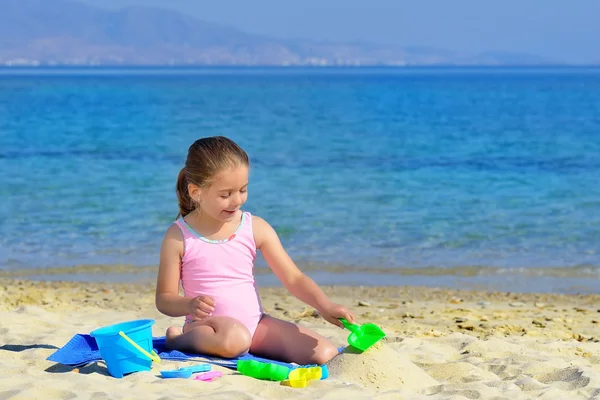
[{"x": 195, "y": 193}]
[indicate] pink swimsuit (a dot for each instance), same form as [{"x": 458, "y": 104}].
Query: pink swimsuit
[{"x": 222, "y": 269}]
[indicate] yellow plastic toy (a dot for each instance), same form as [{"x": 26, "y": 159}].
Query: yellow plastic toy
[{"x": 300, "y": 377}]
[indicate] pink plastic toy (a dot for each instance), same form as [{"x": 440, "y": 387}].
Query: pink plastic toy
[{"x": 209, "y": 376}]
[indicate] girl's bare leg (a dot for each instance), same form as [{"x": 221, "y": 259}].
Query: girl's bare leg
[
  {"x": 217, "y": 336},
  {"x": 285, "y": 341}
]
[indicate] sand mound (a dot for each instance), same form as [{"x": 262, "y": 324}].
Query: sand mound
[{"x": 380, "y": 368}]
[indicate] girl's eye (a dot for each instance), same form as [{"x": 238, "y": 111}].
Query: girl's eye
[
  {"x": 243, "y": 190},
  {"x": 224, "y": 196}
]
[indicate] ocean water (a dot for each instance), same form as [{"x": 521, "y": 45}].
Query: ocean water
[{"x": 430, "y": 176}]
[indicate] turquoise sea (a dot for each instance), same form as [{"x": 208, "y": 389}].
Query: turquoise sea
[{"x": 464, "y": 177}]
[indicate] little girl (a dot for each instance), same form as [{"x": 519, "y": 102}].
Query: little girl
[{"x": 211, "y": 249}]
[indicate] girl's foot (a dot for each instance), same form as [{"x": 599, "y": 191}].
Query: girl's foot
[{"x": 172, "y": 333}]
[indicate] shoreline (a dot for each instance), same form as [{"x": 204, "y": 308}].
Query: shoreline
[
  {"x": 584, "y": 279},
  {"x": 440, "y": 343}
]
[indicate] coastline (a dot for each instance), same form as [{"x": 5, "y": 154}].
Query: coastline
[{"x": 579, "y": 279}]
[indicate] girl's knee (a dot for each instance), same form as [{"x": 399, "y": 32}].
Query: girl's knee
[
  {"x": 235, "y": 341},
  {"x": 324, "y": 353}
]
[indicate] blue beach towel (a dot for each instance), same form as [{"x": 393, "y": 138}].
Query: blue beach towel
[{"x": 82, "y": 350}]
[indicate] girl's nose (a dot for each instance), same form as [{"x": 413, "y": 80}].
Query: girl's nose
[{"x": 237, "y": 199}]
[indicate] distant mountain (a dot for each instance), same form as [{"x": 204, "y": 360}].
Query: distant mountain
[{"x": 62, "y": 32}]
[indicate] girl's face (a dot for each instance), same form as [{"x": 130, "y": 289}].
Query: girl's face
[{"x": 226, "y": 194}]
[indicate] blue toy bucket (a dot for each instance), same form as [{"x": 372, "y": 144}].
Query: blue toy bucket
[{"x": 126, "y": 347}]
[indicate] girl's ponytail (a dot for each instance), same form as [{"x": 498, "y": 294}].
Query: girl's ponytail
[{"x": 186, "y": 205}]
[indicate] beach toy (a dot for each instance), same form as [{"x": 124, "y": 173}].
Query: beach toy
[
  {"x": 184, "y": 372},
  {"x": 324, "y": 369},
  {"x": 262, "y": 370},
  {"x": 126, "y": 347},
  {"x": 363, "y": 336},
  {"x": 324, "y": 372},
  {"x": 209, "y": 376},
  {"x": 300, "y": 377}
]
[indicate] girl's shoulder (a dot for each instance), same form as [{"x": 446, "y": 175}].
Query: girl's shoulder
[
  {"x": 173, "y": 239},
  {"x": 263, "y": 231},
  {"x": 174, "y": 232},
  {"x": 258, "y": 222}
]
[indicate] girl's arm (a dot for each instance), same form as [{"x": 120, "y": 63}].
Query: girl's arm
[
  {"x": 294, "y": 280},
  {"x": 167, "y": 298}
]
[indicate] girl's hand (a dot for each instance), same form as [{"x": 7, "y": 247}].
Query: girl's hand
[
  {"x": 333, "y": 312},
  {"x": 202, "y": 307}
]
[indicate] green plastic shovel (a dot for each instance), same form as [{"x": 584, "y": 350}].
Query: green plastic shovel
[{"x": 363, "y": 336}]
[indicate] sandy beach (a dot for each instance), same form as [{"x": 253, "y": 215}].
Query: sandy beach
[{"x": 441, "y": 344}]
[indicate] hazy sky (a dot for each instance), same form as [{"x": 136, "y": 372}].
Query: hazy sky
[{"x": 567, "y": 30}]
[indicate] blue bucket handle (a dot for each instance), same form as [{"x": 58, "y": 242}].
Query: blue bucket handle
[{"x": 153, "y": 356}]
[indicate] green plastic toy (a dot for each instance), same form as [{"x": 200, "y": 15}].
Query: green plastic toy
[
  {"x": 363, "y": 336},
  {"x": 264, "y": 371}
]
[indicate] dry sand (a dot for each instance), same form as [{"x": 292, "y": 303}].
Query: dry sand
[{"x": 441, "y": 344}]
